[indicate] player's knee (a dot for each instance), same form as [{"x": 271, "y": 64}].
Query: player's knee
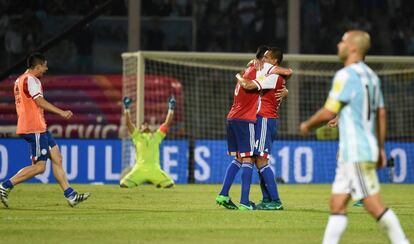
[
  {"x": 338, "y": 205},
  {"x": 126, "y": 183},
  {"x": 374, "y": 208},
  {"x": 171, "y": 185},
  {"x": 261, "y": 162},
  {"x": 337, "y": 208},
  {"x": 40, "y": 167},
  {"x": 247, "y": 160},
  {"x": 57, "y": 160},
  {"x": 168, "y": 185}
]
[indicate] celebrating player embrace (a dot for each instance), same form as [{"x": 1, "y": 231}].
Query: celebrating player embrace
[
  {"x": 241, "y": 135},
  {"x": 272, "y": 89}
]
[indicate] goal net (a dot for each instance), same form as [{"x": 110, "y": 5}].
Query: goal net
[{"x": 203, "y": 84}]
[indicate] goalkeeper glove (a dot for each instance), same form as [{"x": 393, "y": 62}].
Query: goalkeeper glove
[
  {"x": 171, "y": 104},
  {"x": 127, "y": 102}
]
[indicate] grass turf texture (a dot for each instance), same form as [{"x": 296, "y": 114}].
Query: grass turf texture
[{"x": 186, "y": 214}]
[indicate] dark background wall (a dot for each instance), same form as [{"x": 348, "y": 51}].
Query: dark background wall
[{"x": 184, "y": 25}]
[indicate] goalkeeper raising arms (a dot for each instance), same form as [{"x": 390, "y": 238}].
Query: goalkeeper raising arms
[{"x": 147, "y": 144}]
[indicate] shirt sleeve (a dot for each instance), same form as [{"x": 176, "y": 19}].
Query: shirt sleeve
[
  {"x": 250, "y": 73},
  {"x": 34, "y": 87},
  {"x": 380, "y": 97},
  {"x": 159, "y": 135},
  {"x": 267, "y": 81},
  {"x": 341, "y": 92},
  {"x": 267, "y": 68}
]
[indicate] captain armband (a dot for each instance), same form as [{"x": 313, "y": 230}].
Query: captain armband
[{"x": 333, "y": 105}]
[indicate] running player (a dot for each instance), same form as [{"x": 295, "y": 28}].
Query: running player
[{"x": 31, "y": 126}]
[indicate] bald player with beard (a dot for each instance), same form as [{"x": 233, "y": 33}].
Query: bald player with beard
[{"x": 357, "y": 98}]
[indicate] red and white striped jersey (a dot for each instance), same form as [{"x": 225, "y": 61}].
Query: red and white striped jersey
[
  {"x": 245, "y": 103},
  {"x": 269, "y": 84}
]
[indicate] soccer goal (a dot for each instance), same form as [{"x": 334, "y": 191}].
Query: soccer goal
[{"x": 203, "y": 84}]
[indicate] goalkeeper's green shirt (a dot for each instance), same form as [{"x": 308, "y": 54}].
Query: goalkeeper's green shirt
[{"x": 147, "y": 147}]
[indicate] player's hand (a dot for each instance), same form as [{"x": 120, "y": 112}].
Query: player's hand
[
  {"x": 258, "y": 64},
  {"x": 382, "y": 160},
  {"x": 67, "y": 114},
  {"x": 281, "y": 94},
  {"x": 333, "y": 123},
  {"x": 239, "y": 76},
  {"x": 127, "y": 102},
  {"x": 304, "y": 129},
  {"x": 287, "y": 77},
  {"x": 171, "y": 103}
]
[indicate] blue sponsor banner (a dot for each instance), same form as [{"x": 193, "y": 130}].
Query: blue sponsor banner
[
  {"x": 211, "y": 161},
  {"x": 85, "y": 161},
  {"x": 174, "y": 159},
  {"x": 90, "y": 161},
  {"x": 304, "y": 161},
  {"x": 299, "y": 162},
  {"x": 292, "y": 161},
  {"x": 403, "y": 155},
  {"x": 99, "y": 161}
]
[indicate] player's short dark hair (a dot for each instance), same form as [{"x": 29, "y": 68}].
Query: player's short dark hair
[
  {"x": 261, "y": 51},
  {"x": 35, "y": 59},
  {"x": 276, "y": 53}
]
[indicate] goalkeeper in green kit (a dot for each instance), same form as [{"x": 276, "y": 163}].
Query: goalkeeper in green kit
[{"x": 147, "y": 144}]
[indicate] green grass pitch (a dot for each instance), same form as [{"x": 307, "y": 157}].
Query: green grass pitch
[{"x": 186, "y": 214}]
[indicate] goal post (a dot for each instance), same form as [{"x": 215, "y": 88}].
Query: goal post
[{"x": 203, "y": 84}]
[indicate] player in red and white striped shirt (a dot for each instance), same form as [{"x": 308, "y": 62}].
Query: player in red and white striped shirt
[
  {"x": 270, "y": 86},
  {"x": 240, "y": 137}
]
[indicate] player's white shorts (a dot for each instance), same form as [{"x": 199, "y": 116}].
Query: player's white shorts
[{"x": 358, "y": 179}]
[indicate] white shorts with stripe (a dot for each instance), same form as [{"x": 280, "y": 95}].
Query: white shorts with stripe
[{"x": 358, "y": 179}]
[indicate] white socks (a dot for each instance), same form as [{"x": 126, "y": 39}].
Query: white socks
[
  {"x": 335, "y": 228},
  {"x": 389, "y": 222}
]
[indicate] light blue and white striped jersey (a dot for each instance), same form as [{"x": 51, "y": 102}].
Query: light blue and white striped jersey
[{"x": 358, "y": 89}]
